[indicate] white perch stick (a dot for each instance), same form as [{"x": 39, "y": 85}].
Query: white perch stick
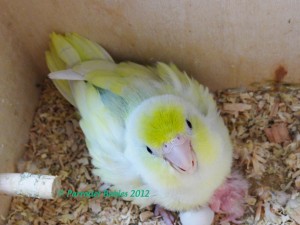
[{"x": 30, "y": 185}]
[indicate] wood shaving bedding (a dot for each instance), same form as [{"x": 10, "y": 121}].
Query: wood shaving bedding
[{"x": 264, "y": 123}]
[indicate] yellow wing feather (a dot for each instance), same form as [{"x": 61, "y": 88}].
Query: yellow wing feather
[{"x": 67, "y": 51}]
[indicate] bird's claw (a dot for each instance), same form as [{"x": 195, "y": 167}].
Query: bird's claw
[{"x": 166, "y": 215}]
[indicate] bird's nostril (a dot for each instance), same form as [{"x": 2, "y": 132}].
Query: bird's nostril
[{"x": 193, "y": 163}]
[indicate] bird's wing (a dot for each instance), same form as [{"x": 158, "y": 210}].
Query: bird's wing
[
  {"x": 103, "y": 127},
  {"x": 104, "y": 134}
]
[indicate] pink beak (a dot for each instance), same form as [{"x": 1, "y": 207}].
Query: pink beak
[{"x": 180, "y": 154}]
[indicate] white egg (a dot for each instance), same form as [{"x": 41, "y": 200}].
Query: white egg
[{"x": 202, "y": 216}]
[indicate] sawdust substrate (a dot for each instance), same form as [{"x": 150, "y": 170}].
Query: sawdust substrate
[{"x": 264, "y": 123}]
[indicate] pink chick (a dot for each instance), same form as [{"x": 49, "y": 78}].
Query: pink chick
[{"x": 230, "y": 197}]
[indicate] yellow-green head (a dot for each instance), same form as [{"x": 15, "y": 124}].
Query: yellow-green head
[
  {"x": 168, "y": 139},
  {"x": 163, "y": 130}
]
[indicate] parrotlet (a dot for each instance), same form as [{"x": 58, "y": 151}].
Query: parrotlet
[{"x": 151, "y": 131}]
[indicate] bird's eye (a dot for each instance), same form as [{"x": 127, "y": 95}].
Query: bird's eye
[
  {"x": 189, "y": 124},
  {"x": 149, "y": 150}
]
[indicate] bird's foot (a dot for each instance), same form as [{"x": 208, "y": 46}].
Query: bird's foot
[{"x": 167, "y": 216}]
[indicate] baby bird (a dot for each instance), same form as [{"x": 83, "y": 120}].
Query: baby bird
[{"x": 152, "y": 132}]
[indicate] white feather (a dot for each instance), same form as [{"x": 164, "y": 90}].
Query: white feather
[{"x": 65, "y": 75}]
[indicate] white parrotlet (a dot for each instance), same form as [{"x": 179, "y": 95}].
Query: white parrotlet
[{"x": 147, "y": 128}]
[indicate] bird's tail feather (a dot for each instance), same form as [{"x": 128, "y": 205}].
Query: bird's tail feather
[{"x": 65, "y": 51}]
